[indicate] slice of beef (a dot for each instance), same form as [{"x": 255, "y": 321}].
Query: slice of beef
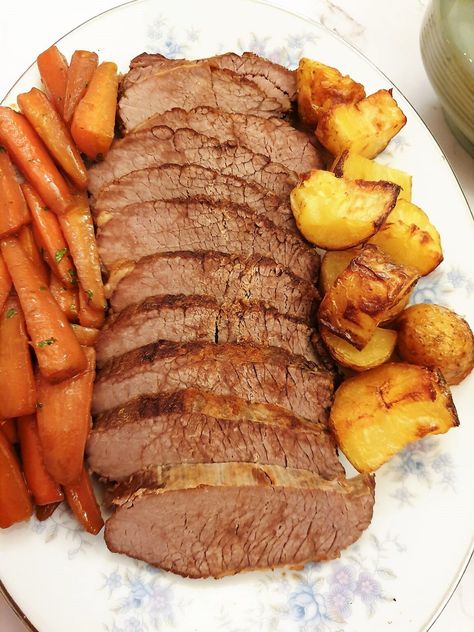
[
  {"x": 161, "y": 145},
  {"x": 273, "y": 137},
  {"x": 187, "y": 318},
  {"x": 175, "y": 225},
  {"x": 258, "y": 374},
  {"x": 189, "y": 85},
  {"x": 204, "y": 520},
  {"x": 194, "y": 426},
  {"x": 168, "y": 182},
  {"x": 274, "y": 79},
  {"x": 228, "y": 277}
]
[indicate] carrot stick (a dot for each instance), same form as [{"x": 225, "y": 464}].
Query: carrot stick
[
  {"x": 17, "y": 384},
  {"x": 94, "y": 119},
  {"x": 78, "y": 228},
  {"x": 53, "y": 70},
  {"x": 64, "y": 420},
  {"x": 43, "y": 512},
  {"x": 32, "y": 158},
  {"x": 8, "y": 427},
  {"x": 58, "y": 353},
  {"x": 29, "y": 245},
  {"x": 52, "y": 238},
  {"x": 5, "y": 282},
  {"x": 15, "y": 501},
  {"x": 44, "y": 489},
  {"x": 82, "y": 501},
  {"x": 87, "y": 336},
  {"x": 52, "y": 130},
  {"x": 82, "y": 67},
  {"x": 89, "y": 316},
  {"x": 13, "y": 210},
  {"x": 66, "y": 299}
]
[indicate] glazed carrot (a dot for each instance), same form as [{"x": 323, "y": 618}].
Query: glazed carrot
[
  {"x": 66, "y": 299},
  {"x": 58, "y": 353},
  {"x": 53, "y": 70},
  {"x": 43, "y": 512},
  {"x": 82, "y": 501},
  {"x": 78, "y": 229},
  {"x": 40, "y": 483},
  {"x": 87, "y": 336},
  {"x": 17, "y": 384},
  {"x": 63, "y": 415},
  {"x": 29, "y": 245},
  {"x": 15, "y": 501},
  {"x": 13, "y": 210},
  {"x": 89, "y": 316},
  {"x": 94, "y": 119},
  {"x": 82, "y": 67},
  {"x": 5, "y": 282},
  {"x": 52, "y": 130},
  {"x": 8, "y": 427},
  {"x": 32, "y": 158},
  {"x": 52, "y": 239}
]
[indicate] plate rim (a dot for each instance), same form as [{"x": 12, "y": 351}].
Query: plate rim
[{"x": 313, "y": 22}]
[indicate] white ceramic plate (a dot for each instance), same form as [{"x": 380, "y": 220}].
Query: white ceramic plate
[{"x": 403, "y": 569}]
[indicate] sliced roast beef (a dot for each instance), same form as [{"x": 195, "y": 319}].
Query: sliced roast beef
[
  {"x": 217, "y": 519},
  {"x": 192, "y": 84},
  {"x": 187, "y": 318},
  {"x": 259, "y": 374},
  {"x": 168, "y": 182},
  {"x": 194, "y": 426},
  {"x": 168, "y": 226},
  {"x": 228, "y": 277},
  {"x": 161, "y": 145},
  {"x": 274, "y": 138},
  {"x": 275, "y": 80}
]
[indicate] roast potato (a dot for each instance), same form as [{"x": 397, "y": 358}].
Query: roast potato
[
  {"x": 410, "y": 239},
  {"x": 320, "y": 86},
  {"x": 377, "y": 413},
  {"x": 362, "y": 294},
  {"x": 335, "y": 214},
  {"x": 435, "y": 336},
  {"x": 355, "y": 167},
  {"x": 377, "y": 351},
  {"x": 335, "y": 261},
  {"x": 365, "y": 127}
]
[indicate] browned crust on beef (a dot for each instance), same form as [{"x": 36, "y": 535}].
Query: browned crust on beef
[
  {"x": 257, "y": 374},
  {"x": 194, "y": 426},
  {"x": 230, "y": 277},
  {"x": 231, "y": 517},
  {"x": 161, "y": 145},
  {"x": 148, "y": 228}
]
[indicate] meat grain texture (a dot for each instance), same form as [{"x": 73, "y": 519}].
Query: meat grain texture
[{"x": 212, "y": 397}]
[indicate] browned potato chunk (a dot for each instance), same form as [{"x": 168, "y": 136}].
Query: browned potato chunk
[
  {"x": 365, "y": 127},
  {"x": 377, "y": 351},
  {"x": 355, "y": 167},
  {"x": 332, "y": 264},
  {"x": 410, "y": 239},
  {"x": 319, "y": 86},
  {"x": 335, "y": 214},
  {"x": 435, "y": 336},
  {"x": 379, "y": 412},
  {"x": 335, "y": 261},
  {"x": 362, "y": 294}
]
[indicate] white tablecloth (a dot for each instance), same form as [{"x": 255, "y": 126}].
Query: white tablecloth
[{"x": 387, "y": 31}]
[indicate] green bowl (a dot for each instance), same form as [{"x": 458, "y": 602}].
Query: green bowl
[{"x": 447, "y": 50}]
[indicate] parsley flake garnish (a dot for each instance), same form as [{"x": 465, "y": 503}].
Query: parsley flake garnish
[
  {"x": 11, "y": 312},
  {"x": 46, "y": 343},
  {"x": 59, "y": 255}
]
